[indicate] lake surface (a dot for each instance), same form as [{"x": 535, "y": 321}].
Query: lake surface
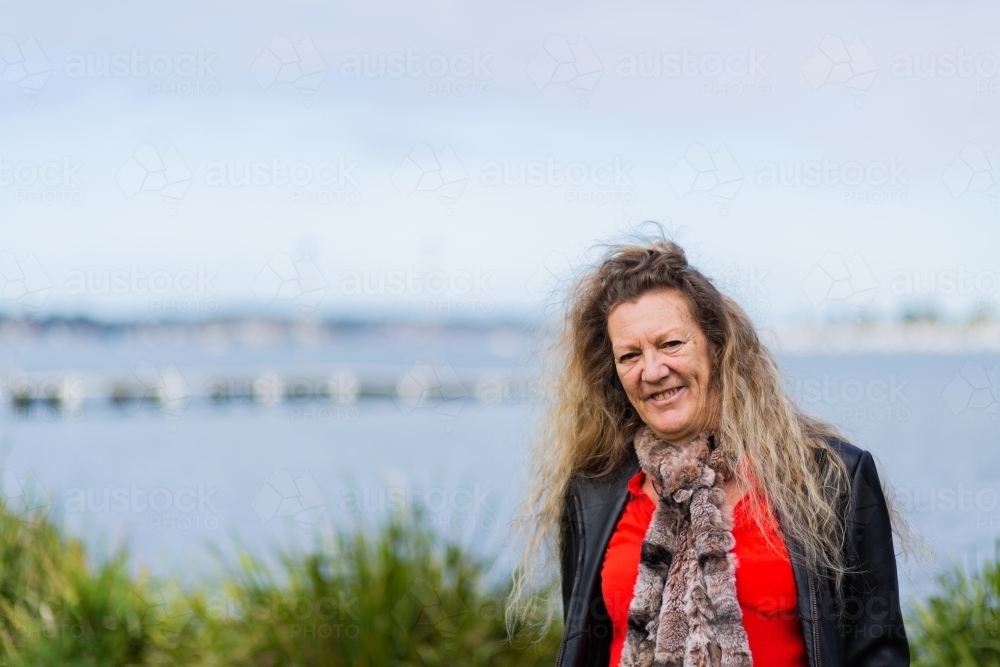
[{"x": 172, "y": 480}]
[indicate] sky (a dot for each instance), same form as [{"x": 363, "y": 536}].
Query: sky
[{"x": 452, "y": 160}]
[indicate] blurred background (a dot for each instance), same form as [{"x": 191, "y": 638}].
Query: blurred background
[{"x": 273, "y": 270}]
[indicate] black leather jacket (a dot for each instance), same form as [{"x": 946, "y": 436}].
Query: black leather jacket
[{"x": 867, "y": 631}]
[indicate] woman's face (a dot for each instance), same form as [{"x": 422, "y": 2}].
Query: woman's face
[{"x": 664, "y": 363}]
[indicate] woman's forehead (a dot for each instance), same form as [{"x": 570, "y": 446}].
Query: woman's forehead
[
  {"x": 662, "y": 307},
  {"x": 634, "y": 321}
]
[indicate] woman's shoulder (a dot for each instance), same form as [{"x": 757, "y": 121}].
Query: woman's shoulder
[
  {"x": 862, "y": 474},
  {"x": 602, "y": 487},
  {"x": 852, "y": 456}
]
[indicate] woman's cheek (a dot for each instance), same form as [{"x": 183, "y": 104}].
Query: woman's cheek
[{"x": 633, "y": 380}]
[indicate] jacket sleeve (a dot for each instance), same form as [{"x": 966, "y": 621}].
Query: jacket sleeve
[
  {"x": 569, "y": 546},
  {"x": 874, "y": 635}
]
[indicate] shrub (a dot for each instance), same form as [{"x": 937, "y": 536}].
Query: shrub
[
  {"x": 399, "y": 596},
  {"x": 393, "y": 595},
  {"x": 958, "y": 625}
]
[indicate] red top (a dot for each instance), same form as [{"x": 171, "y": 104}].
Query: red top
[{"x": 765, "y": 583}]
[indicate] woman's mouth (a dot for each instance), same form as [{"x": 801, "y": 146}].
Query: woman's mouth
[{"x": 666, "y": 394}]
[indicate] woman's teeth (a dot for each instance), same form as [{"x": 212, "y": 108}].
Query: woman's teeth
[{"x": 665, "y": 394}]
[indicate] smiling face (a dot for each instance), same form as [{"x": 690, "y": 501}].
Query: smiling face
[{"x": 664, "y": 363}]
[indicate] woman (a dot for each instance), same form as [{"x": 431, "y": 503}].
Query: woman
[{"x": 701, "y": 518}]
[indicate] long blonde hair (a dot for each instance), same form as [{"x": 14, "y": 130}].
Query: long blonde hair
[{"x": 589, "y": 423}]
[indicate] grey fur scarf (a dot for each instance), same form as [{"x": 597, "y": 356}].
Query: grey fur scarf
[{"x": 684, "y": 612}]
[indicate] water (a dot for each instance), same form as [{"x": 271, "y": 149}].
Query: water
[
  {"x": 169, "y": 488},
  {"x": 223, "y": 474},
  {"x": 940, "y": 452}
]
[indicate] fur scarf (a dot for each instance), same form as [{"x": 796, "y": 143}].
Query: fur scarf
[{"x": 684, "y": 612}]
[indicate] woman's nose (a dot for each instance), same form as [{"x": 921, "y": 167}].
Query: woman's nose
[{"x": 654, "y": 366}]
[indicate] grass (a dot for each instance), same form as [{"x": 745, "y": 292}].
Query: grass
[
  {"x": 397, "y": 595},
  {"x": 959, "y": 625},
  {"x": 56, "y": 609},
  {"x": 393, "y": 595}
]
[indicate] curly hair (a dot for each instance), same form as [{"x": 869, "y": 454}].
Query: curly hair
[{"x": 589, "y": 424}]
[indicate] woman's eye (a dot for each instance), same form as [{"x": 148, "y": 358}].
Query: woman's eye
[
  {"x": 626, "y": 357},
  {"x": 672, "y": 344}
]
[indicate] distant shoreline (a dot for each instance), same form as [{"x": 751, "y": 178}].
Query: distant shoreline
[
  {"x": 886, "y": 338},
  {"x": 981, "y": 336}
]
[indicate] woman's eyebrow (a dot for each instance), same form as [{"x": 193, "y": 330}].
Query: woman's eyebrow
[
  {"x": 622, "y": 349},
  {"x": 670, "y": 334}
]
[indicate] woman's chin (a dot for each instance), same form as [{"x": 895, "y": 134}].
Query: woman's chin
[
  {"x": 669, "y": 419},
  {"x": 670, "y": 431}
]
